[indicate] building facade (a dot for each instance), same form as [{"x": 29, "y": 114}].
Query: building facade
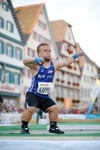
[
  {"x": 11, "y": 54},
  {"x": 89, "y": 76},
  {"x": 67, "y": 79}
]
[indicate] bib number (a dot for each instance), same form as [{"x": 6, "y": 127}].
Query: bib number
[{"x": 45, "y": 88}]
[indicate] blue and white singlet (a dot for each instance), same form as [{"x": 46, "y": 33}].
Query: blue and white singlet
[{"x": 42, "y": 82}]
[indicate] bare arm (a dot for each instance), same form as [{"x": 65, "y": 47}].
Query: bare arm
[
  {"x": 29, "y": 62},
  {"x": 58, "y": 64}
]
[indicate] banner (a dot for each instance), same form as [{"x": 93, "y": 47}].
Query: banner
[
  {"x": 67, "y": 103},
  {"x": 94, "y": 94}
]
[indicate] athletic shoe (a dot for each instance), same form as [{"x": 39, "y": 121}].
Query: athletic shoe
[
  {"x": 56, "y": 130},
  {"x": 25, "y": 131}
]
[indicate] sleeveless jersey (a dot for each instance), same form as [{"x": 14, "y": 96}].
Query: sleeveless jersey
[{"x": 42, "y": 82}]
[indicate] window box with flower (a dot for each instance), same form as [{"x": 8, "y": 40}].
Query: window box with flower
[
  {"x": 69, "y": 51},
  {"x": 69, "y": 66},
  {"x": 75, "y": 68},
  {"x": 57, "y": 98},
  {"x": 74, "y": 83},
  {"x": 77, "y": 84},
  {"x": 57, "y": 79},
  {"x": 62, "y": 81},
  {"x": 69, "y": 82}
]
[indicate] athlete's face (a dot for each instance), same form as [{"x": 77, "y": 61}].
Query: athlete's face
[{"x": 45, "y": 52}]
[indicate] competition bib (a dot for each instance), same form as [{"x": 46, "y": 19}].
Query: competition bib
[{"x": 45, "y": 88}]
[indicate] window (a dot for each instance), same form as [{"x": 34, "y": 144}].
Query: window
[
  {"x": 42, "y": 24},
  {"x": 1, "y": 22},
  {"x": 17, "y": 79},
  {"x": 9, "y": 26},
  {"x": 68, "y": 93},
  {"x": 82, "y": 91},
  {"x": 0, "y": 47},
  {"x": 92, "y": 69},
  {"x": 87, "y": 67},
  {"x": 9, "y": 50},
  {"x": 84, "y": 78},
  {"x": 5, "y": 6},
  {"x": 7, "y": 76},
  {"x": 88, "y": 92},
  {"x": 14, "y": 52},
  {"x": 11, "y": 77},
  {"x": 85, "y": 92},
  {"x": 30, "y": 52},
  {"x": 35, "y": 36},
  {"x": 18, "y": 53},
  {"x": 42, "y": 39}
]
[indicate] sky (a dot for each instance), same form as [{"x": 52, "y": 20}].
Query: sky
[{"x": 83, "y": 15}]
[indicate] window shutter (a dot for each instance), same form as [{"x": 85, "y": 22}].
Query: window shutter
[
  {"x": 7, "y": 25},
  {"x": 20, "y": 54},
  {"x": 9, "y": 76},
  {"x": 15, "y": 52},
  {"x": 7, "y": 7},
  {"x": 13, "y": 77},
  {"x": 12, "y": 28},
  {"x": 0, "y": 73},
  {"x": 2, "y": 47},
  {"x": 6, "y": 49},
  {"x": 12, "y": 51},
  {"x": 2, "y": 23},
  {"x": 18, "y": 79}
]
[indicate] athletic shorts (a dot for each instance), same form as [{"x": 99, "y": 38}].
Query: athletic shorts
[{"x": 38, "y": 102}]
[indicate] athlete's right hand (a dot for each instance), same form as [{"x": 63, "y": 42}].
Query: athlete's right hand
[{"x": 39, "y": 60}]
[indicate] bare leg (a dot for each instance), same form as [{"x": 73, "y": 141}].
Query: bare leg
[
  {"x": 53, "y": 117},
  {"x": 27, "y": 114},
  {"x": 53, "y": 113}
]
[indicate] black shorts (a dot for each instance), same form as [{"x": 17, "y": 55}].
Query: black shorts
[{"x": 38, "y": 102}]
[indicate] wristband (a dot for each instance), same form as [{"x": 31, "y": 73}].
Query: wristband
[
  {"x": 37, "y": 60},
  {"x": 75, "y": 56}
]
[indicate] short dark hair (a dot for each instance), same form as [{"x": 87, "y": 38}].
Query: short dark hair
[{"x": 42, "y": 44}]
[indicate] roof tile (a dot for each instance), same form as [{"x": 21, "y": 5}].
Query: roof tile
[
  {"x": 59, "y": 28},
  {"x": 28, "y": 16}
]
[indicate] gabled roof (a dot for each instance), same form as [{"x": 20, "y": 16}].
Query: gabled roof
[
  {"x": 59, "y": 28},
  {"x": 28, "y": 16},
  {"x": 16, "y": 20}
]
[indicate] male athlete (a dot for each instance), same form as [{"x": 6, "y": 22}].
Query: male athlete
[{"x": 38, "y": 95}]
